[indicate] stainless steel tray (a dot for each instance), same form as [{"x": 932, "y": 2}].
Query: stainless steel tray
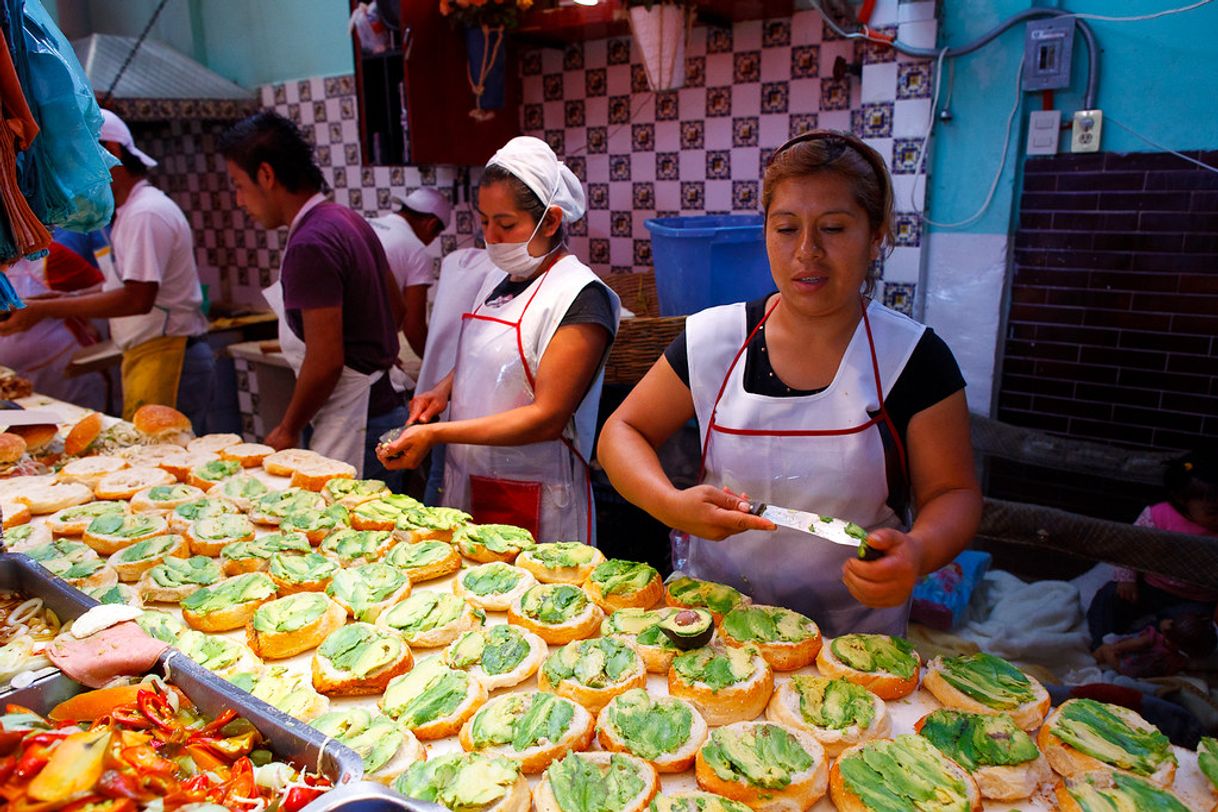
[
  {"x": 28, "y": 577},
  {"x": 368, "y": 796}
]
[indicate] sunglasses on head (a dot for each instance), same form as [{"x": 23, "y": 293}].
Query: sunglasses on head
[{"x": 836, "y": 144}]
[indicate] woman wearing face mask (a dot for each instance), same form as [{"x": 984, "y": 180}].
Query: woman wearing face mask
[
  {"x": 816, "y": 398},
  {"x": 526, "y": 385}
]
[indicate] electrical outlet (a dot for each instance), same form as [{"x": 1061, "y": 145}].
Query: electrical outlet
[
  {"x": 1044, "y": 128},
  {"x": 1085, "y": 134}
]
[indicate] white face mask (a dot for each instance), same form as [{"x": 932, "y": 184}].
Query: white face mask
[{"x": 514, "y": 259}]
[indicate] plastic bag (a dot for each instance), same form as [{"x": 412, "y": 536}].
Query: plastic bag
[
  {"x": 65, "y": 173},
  {"x": 369, "y": 28}
]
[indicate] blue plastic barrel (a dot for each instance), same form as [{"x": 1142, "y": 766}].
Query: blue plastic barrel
[{"x": 706, "y": 261}]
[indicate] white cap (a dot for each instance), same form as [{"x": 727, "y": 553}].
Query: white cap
[
  {"x": 426, "y": 200},
  {"x": 532, "y": 160},
  {"x": 114, "y": 129}
]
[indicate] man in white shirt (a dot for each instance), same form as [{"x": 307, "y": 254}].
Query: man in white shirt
[
  {"x": 151, "y": 295},
  {"x": 405, "y": 235}
]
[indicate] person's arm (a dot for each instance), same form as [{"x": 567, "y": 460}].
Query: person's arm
[
  {"x": 319, "y": 373},
  {"x": 948, "y": 503},
  {"x": 414, "y": 320},
  {"x": 395, "y": 302},
  {"x": 566, "y": 370},
  {"x": 657, "y": 407},
  {"x": 132, "y": 299}
]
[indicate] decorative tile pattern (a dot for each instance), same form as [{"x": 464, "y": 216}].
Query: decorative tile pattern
[
  {"x": 899, "y": 296},
  {"x": 698, "y": 150}
]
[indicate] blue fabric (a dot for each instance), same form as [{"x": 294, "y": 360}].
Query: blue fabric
[
  {"x": 373, "y": 469},
  {"x": 82, "y": 244},
  {"x": 435, "y": 477},
  {"x": 65, "y": 174},
  {"x": 197, "y": 384}
]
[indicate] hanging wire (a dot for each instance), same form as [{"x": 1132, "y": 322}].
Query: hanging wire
[{"x": 134, "y": 49}]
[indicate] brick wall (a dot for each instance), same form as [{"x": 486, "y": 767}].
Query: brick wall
[{"x": 1113, "y": 328}]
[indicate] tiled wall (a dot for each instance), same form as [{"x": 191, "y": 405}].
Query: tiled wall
[
  {"x": 1114, "y": 304},
  {"x": 697, "y": 150}
]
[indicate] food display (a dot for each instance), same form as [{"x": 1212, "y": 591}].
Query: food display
[
  {"x": 470, "y": 665},
  {"x": 143, "y": 747},
  {"x": 27, "y": 626}
]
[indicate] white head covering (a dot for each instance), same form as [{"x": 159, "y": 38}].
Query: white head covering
[
  {"x": 426, "y": 200},
  {"x": 116, "y": 130},
  {"x": 532, "y": 160}
]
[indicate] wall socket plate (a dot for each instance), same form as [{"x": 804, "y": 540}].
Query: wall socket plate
[
  {"x": 1085, "y": 134},
  {"x": 1044, "y": 130}
]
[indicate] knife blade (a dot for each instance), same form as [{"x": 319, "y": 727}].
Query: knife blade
[{"x": 837, "y": 531}]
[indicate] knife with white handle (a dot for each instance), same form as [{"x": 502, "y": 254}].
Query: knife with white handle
[{"x": 838, "y": 531}]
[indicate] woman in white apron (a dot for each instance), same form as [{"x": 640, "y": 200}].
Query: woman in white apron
[
  {"x": 526, "y": 385},
  {"x": 813, "y": 432}
]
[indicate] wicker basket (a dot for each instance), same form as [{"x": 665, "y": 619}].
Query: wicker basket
[{"x": 641, "y": 340}]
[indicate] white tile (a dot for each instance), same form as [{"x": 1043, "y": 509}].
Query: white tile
[
  {"x": 642, "y": 167},
  {"x": 718, "y": 70},
  {"x": 746, "y": 99},
  {"x": 912, "y": 11},
  {"x": 919, "y": 34},
  {"x": 617, "y": 80},
  {"x": 718, "y": 133},
  {"x": 803, "y": 96},
  {"x": 773, "y": 130},
  {"x": 834, "y": 120},
  {"x": 551, "y": 60},
  {"x": 775, "y": 64},
  {"x": 885, "y": 13},
  {"x": 552, "y": 114},
  {"x": 668, "y": 136},
  {"x": 718, "y": 195},
  {"x": 573, "y": 84},
  {"x": 902, "y": 265},
  {"x": 746, "y": 35},
  {"x": 598, "y": 223},
  {"x": 806, "y": 28},
  {"x": 908, "y": 191},
  {"x": 909, "y": 117},
  {"x": 745, "y": 162},
  {"x": 621, "y": 196},
  {"x": 621, "y": 251},
  {"x": 619, "y": 139},
  {"x": 692, "y": 164},
  {"x": 598, "y": 168},
  {"x": 530, "y": 89},
  {"x": 596, "y": 53},
  {"x": 668, "y": 195},
  {"x": 879, "y": 82}
]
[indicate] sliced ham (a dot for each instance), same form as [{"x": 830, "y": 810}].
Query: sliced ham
[{"x": 121, "y": 650}]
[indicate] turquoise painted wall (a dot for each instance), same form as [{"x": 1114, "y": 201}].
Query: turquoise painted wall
[
  {"x": 251, "y": 43},
  {"x": 1155, "y": 76},
  {"x": 275, "y": 40}
]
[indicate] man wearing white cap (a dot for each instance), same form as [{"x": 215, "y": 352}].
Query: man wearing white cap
[
  {"x": 151, "y": 295},
  {"x": 405, "y": 235}
]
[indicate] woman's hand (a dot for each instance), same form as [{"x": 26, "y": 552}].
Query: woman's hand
[
  {"x": 425, "y": 407},
  {"x": 710, "y": 513},
  {"x": 409, "y": 449},
  {"x": 1106, "y": 655},
  {"x": 890, "y": 580}
]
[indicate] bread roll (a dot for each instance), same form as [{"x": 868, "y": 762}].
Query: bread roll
[
  {"x": 766, "y": 766},
  {"x": 618, "y": 584},
  {"x": 788, "y": 640},
  {"x": 424, "y": 561},
  {"x": 498, "y": 656},
  {"x": 1001, "y": 757},
  {"x": 492, "y": 542},
  {"x": 285, "y": 627},
  {"x": 838, "y": 713},
  {"x": 692, "y": 593},
  {"x": 557, "y": 613},
  {"x": 562, "y": 562},
  {"x": 592, "y": 672},
  {"x": 359, "y": 660},
  {"x": 229, "y": 603},
  {"x": 983, "y": 683},
  {"x": 433, "y": 700},
  {"x": 663, "y": 730},
  {"x": 493, "y": 587},
  {"x": 887, "y": 666},
  {"x": 162, "y": 424},
  {"x": 724, "y": 683},
  {"x": 1102, "y": 789},
  {"x": 897, "y": 770},
  {"x": 467, "y": 781},
  {"x": 493, "y": 729},
  {"x": 431, "y": 618},
  {"x": 82, "y": 435},
  {"x": 1083, "y": 735},
  {"x": 631, "y": 781}
]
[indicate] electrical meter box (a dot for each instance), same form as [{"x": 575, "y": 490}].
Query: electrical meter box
[{"x": 1048, "y": 47}]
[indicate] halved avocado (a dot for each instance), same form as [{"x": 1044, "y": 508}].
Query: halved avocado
[{"x": 689, "y": 628}]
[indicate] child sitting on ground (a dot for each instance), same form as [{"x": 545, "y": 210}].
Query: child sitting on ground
[
  {"x": 1133, "y": 598},
  {"x": 1160, "y": 650}
]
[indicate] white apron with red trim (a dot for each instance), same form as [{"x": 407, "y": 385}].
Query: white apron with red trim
[
  {"x": 822, "y": 453},
  {"x": 544, "y": 486}
]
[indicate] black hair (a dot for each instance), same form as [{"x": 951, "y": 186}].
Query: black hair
[
  {"x": 1192, "y": 476},
  {"x": 132, "y": 164},
  {"x": 525, "y": 198},
  {"x": 269, "y": 138},
  {"x": 1192, "y": 633}
]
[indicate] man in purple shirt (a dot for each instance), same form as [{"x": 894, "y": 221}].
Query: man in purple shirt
[{"x": 337, "y": 314}]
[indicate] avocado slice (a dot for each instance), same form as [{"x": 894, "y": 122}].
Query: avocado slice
[{"x": 689, "y": 628}]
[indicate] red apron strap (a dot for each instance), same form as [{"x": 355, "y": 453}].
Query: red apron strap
[{"x": 723, "y": 386}]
